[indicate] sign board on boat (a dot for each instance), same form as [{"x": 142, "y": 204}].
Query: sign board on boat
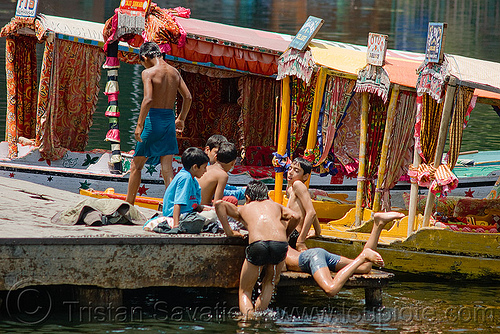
[
  {"x": 306, "y": 33},
  {"x": 26, "y": 8},
  {"x": 436, "y": 35},
  {"x": 135, "y": 5},
  {"x": 377, "y": 48}
]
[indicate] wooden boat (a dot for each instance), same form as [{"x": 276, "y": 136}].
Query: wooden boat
[{"x": 414, "y": 245}]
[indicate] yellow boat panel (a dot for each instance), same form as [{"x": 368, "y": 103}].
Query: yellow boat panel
[{"x": 326, "y": 209}]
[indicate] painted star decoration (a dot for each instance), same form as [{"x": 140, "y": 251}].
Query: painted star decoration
[
  {"x": 143, "y": 190},
  {"x": 50, "y": 178},
  {"x": 151, "y": 169},
  {"x": 11, "y": 175},
  {"x": 85, "y": 185},
  {"x": 89, "y": 160},
  {"x": 469, "y": 193}
]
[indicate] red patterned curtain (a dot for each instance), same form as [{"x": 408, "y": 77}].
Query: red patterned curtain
[
  {"x": 302, "y": 97},
  {"x": 71, "y": 100},
  {"x": 376, "y": 127},
  {"x": 257, "y": 101},
  {"x": 21, "y": 68},
  {"x": 206, "y": 93}
]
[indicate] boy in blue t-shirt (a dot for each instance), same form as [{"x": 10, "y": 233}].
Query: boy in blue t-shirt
[{"x": 183, "y": 194}]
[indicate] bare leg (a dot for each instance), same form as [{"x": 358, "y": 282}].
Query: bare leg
[
  {"x": 333, "y": 286},
  {"x": 380, "y": 219},
  {"x": 166, "y": 169},
  {"x": 248, "y": 278},
  {"x": 271, "y": 279},
  {"x": 134, "y": 180}
]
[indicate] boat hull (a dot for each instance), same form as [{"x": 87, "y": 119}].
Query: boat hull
[{"x": 430, "y": 252}]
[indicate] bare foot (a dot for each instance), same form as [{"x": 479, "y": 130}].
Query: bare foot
[
  {"x": 373, "y": 257},
  {"x": 382, "y": 218}
]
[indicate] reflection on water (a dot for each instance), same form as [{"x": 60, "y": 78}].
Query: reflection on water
[{"x": 409, "y": 307}]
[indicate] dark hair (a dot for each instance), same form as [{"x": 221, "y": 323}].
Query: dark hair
[
  {"x": 306, "y": 165},
  {"x": 214, "y": 141},
  {"x": 150, "y": 50},
  {"x": 256, "y": 191},
  {"x": 193, "y": 156},
  {"x": 227, "y": 152}
]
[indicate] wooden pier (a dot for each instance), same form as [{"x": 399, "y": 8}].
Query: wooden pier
[{"x": 36, "y": 252}]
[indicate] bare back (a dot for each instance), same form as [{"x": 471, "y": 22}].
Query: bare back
[
  {"x": 164, "y": 81},
  {"x": 263, "y": 220},
  {"x": 214, "y": 179}
]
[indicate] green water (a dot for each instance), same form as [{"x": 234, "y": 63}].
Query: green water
[{"x": 410, "y": 306}]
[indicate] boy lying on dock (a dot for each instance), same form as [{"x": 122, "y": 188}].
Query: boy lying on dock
[
  {"x": 269, "y": 225},
  {"x": 300, "y": 201},
  {"x": 318, "y": 262}
]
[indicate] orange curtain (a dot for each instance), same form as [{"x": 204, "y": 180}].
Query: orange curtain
[
  {"x": 20, "y": 55},
  {"x": 71, "y": 96}
]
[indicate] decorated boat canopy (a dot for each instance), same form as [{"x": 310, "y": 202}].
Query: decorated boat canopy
[{"x": 349, "y": 59}]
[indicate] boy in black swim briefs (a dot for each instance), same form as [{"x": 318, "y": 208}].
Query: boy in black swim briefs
[{"x": 269, "y": 225}]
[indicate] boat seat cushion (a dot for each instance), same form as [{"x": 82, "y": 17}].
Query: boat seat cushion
[{"x": 445, "y": 205}]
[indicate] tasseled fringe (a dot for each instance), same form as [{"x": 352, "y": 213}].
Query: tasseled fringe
[
  {"x": 129, "y": 23},
  {"x": 111, "y": 62},
  {"x": 113, "y": 135},
  {"x": 111, "y": 87},
  {"x": 112, "y": 111},
  {"x": 112, "y": 96}
]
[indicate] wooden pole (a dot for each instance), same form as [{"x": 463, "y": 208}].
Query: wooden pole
[
  {"x": 412, "y": 212},
  {"x": 313, "y": 124},
  {"x": 443, "y": 132},
  {"x": 362, "y": 157},
  {"x": 282, "y": 136},
  {"x": 389, "y": 125}
]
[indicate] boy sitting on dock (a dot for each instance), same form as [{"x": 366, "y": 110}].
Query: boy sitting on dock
[
  {"x": 212, "y": 149},
  {"x": 300, "y": 201},
  {"x": 183, "y": 195},
  {"x": 318, "y": 262},
  {"x": 214, "y": 181},
  {"x": 269, "y": 225}
]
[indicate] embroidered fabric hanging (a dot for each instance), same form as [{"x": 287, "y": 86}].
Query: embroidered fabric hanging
[
  {"x": 302, "y": 97},
  {"x": 465, "y": 101},
  {"x": 338, "y": 92},
  {"x": 257, "y": 96},
  {"x": 432, "y": 79},
  {"x": 296, "y": 63},
  {"x": 346, "y": 141},
  {"x": 376, "y": 121},
  {"x": 375, "y": 80},
  {"x": 66, "y": 122},
  {"x": 399, "y": 153},
  {"x": 21, "y": 70}
]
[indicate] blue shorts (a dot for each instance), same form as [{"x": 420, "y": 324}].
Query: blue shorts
[
  {"x": 158, "y": 136},
  {"x": 314, "y": 259}
]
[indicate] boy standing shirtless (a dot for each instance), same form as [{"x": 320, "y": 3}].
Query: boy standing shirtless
[
  {"x": 157, "y": 125},
  {"x": 269, "y": 224},
  {"x": 300, "y": 201},
  {"x": 318, "y": 262}
]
